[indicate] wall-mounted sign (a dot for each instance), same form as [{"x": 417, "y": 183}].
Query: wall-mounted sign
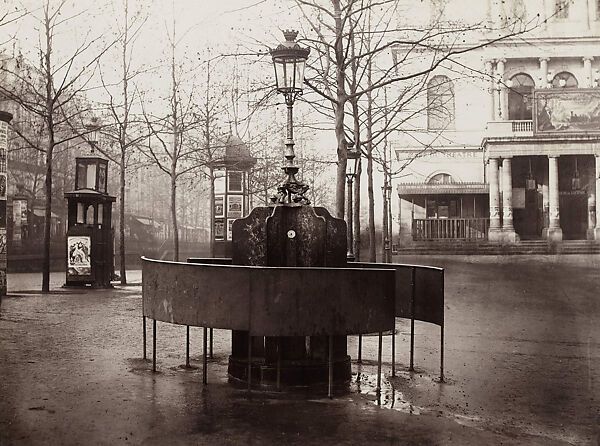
[
  {"x": 2, "y": 186},
  {"x": 19, "y": 217},
  {"x": 229, "y": 227},
  {"x": 2, "y": 240},
  {"x": 79, "y": 249},
  {"x": 560, "y": 110},
  {"x": 219, "y": 230},
  {"x": 220, "y": 206},
  {"x": 235, "y": 206}
]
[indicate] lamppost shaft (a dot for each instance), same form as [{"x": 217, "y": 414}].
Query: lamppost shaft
[
  {"x": 289, "y": 168},
  {"x": 350, "y": 213}
]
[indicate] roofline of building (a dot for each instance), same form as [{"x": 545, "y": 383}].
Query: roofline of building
[{"x": 554, "y": 138}]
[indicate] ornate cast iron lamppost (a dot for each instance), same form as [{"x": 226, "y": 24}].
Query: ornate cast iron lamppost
[
  {"x": 289, "y": 60},
  {"x": 352, "y": 167}
]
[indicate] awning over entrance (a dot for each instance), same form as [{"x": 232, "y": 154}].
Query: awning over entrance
[{"x": 442, "y": 188}]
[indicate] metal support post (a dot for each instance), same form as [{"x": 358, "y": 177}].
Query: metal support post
[
  {"x": 154, "y": 345},
  {"x": 279, "y": 364},
  {"x": 211, "y": 344},
  {"x": 330, "y": 369},
  {"x": 249, "y": 362},
  {"x": 394, "y": 349},
  {"x": 144, "y": 334},
  {"x": 204, "y": 362},
  {"x": 412, "y": 321},
  {"x": 187, "y": 346},
  {"x": 379, "y": 366}
]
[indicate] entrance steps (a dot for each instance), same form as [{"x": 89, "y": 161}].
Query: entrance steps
[{"x": 462, "y": 247}]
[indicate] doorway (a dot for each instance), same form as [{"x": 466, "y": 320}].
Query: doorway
[{"x": 574, "y": 215}]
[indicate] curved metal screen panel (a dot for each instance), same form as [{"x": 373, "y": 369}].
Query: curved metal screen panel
[
  {"x": 429, "y": 295},
  {"x": 197, "y": 295},
  {"x": 269, "y": 301},
  {"x": 427, "y": 285}
]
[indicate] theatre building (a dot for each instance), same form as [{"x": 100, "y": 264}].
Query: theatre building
[{"x": 510, "y": 150}]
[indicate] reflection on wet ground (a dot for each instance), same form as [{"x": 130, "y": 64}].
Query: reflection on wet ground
[{"x": 523, "y": 367}]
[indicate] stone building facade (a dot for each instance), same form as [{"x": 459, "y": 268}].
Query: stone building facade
[{"x": 509, "y": 146}]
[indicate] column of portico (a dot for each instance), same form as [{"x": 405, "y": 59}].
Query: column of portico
[
  {"x": 544, "y": 72},
  {"x": 508, "y": 229},
  {"x": 495, "y": 230},
  {"x": 502, "y": 106},
  {"x": 588, "y": 73},
  {"x": 553, "y": 232},
  {"x": 597, "y": 228},
  {"x": 545, "y": 203}
]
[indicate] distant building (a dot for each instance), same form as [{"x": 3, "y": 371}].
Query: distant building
[{"x": 509, "y": 145}]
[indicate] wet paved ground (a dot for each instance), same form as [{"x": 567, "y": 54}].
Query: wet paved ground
[{"x": 522, "y": 367}]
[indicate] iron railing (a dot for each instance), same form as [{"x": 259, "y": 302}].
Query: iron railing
[{"x": 450, "y": 228}]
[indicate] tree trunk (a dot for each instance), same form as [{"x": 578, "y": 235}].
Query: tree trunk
[
  {"x": 123, "y": 144},
  {"x": 340, "y": 190},
  {"x": 384, "y": 232},
  {"x": 48, "y": 216},
  {"x": 211, "y": 242},
  {"x": 122, "y": 219},
  {"x": 356, "y": 187},
  {"x": 372, "y": 240},
  {"x": 174, "y": 217},
  {"x": 356, "y": 210}
]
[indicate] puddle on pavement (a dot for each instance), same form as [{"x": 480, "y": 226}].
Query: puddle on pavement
[{"x": 390, "y": 398}]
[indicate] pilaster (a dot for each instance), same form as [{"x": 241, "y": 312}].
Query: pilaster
[
  {"x": 544, "y": 72},
  {"x": 495, "y": 230},
  {"x": 554, "y": 232},
  {"x": 588, "y": 73},
  {"x": 508, "y": 229},
  {"x": 502, "y": 103}
]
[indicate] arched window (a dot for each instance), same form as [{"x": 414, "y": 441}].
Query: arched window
[
  {"x": 440, "y": 103},
  {"x": 441, "y": 178},
  {"x": 564, "y": 79},
  {"x": 520, "y": 93}
]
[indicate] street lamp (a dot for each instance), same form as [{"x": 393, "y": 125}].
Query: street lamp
[
  {"x": 289, "y": 60},
  {"x": 351, "y": 172},
  {"x": 386, "y": 189}
]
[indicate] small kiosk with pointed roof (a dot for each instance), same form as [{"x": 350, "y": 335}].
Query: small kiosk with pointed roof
[
  {"x": 89, "y": 233},
  {"x": 231, "y": 169}
]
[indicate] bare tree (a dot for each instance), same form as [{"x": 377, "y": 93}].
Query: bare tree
[
  {"x": 52, "y": 91},
  {"x": 123, "y": 127},
  {"x": 352, "y": 40},
  {"x": 175, "y": 157}
]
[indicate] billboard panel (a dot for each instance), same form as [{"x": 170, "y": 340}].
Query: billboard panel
[
  {"x": 79, "y": 255},
  {"x": 561, "y": 110}
]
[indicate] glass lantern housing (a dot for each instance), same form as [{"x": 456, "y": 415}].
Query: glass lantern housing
[
  {"x": 289, "y": 60},
  {"x": 352, "y": 164},
  {"x": 91, "y": 174}
]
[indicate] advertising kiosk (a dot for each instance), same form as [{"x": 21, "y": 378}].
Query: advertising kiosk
[{"x": 89, "y": 233}]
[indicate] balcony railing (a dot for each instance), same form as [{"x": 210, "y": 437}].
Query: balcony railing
[
  {"x": 450, "y": 228},
  {"x": 509, "y": 128}
]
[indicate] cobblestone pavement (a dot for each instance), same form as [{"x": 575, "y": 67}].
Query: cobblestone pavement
[{"x": 522, "y": 367}]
